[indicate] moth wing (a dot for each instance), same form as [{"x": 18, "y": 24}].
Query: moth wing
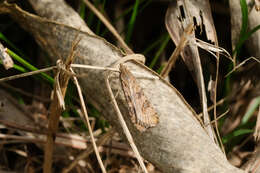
[{"x": 142, "y": 114}]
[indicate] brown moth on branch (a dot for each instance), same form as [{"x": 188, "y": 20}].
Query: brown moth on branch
[{"x": 141, "y": 111}]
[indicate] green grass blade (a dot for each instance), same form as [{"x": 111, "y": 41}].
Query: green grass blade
[
  {"x": 20, "y": 68},
  {"x": 98, "y": 26},
  {"x": 251, "y": 111},
  {"x": 10, "y": 44},
  {"x": 82, "y": 10},
  {"x": 236, "y": 133},
  {"x": 29, "y": 66},
  {"x": 160, "y": 50},
  {"x": 160, "y": 69},
  {"x": 244, "y": 11},
  {"x": 243, "y": 31},
  {"x": 132, "y": 22},
  {"x": 127, "y": 11},
  {"x": 17, "y": 67},
  {"x": 90, "y": 19},
  {"x": 154, "y": 44},
  {"x": 147, "y": 2},
  {"x": 245, "y": 37}
]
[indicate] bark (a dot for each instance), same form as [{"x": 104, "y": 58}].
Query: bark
[{"x": 177, "y": 144}]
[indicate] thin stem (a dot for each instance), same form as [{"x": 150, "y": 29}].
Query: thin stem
[
  {"x": 125, "y": 128},
  {"x": 82, "y": 103},
  {"x": 109, "y": 26},
  {"x": 27, "y": 74}
]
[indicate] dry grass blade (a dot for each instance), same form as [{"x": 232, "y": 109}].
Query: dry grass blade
[
  {"x": 242, "y": 63},
  {"x": 102, "y": 140},
  {"x": 73, "y": 141},
  {"x": 187, "y": 11},
  {"x": 60, "y": 86},
  {"x": 20, "y": 91},
  {"x": 99, "y": 52},
  {"x": 61, "y": 141},
  {"x": 213, "y": 49},
  {"x": 118, "y": 112},
  {"x": 222, "y": 115},
  {"x": 27, "y": 74},
  {"x": 221, "y": 101},
  {"x": 125, "y": 129},
  {"x": 55, "y": 112},
  {"x": 109, "y": 26},
  {"x": 86, "y": 119},
  {"x": 93, "y": 67},
  {"x": 183, "y": 41},
  {"x": 18, "y": 138},
  {"x": 109, "y": 69}
]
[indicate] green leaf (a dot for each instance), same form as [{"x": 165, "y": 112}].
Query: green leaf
[
  {"x": 29, "y": 66},
  {"x": 82, "y": 10},
  {"x": 244, "y": 33},
  {"x": 132, "y": 22},
  {"x": 251, "y": 110},
  {"x": 236, "y": 133},
  {"x": 160, "y": 50}
]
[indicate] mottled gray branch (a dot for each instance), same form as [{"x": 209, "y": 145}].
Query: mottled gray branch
[{"x": 177, "y": 144}]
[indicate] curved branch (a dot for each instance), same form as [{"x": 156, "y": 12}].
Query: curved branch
[{"x": 177, "y": 144}]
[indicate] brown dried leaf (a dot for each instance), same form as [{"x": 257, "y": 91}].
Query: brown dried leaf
[
  {"x": 141, "y": 111},
  {"x": 179, "y": 15}
]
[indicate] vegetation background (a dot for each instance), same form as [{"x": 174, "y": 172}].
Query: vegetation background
[{"x": 142, "y": 25}]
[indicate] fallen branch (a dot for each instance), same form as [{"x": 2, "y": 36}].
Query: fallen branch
[{"x": 177, "y": 144}]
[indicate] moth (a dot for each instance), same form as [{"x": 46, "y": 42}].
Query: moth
[{"x": 142, "y": 114}]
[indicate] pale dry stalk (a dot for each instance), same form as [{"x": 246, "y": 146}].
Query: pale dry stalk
[
  {"x": 86, "y": 119},
  {"x": 119, "y": 114},
  {"x": 109, "y": 27},
  {"x": 102, "y": 140}
]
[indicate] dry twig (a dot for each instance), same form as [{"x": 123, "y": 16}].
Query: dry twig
[
  {"x": 119, "y": 114},
  {"x": 109, "y": 26},
  {"x": 90, "y": 149},
  {"x": 183, "y": 41},
  {"x": 57, "y": 106},
  {"x": 86, "y": 119},
  {"x": 55, "y": 112}
]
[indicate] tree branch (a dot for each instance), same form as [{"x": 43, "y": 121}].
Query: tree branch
[{"x": 177, "y": 144}]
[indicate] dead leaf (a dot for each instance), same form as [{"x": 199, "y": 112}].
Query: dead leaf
[
  {"x": 183, "y": 41},
  {"x": 179, "y": 15}
]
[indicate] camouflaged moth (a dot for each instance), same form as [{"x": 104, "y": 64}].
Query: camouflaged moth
[{"x": 142, "y": 114}]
